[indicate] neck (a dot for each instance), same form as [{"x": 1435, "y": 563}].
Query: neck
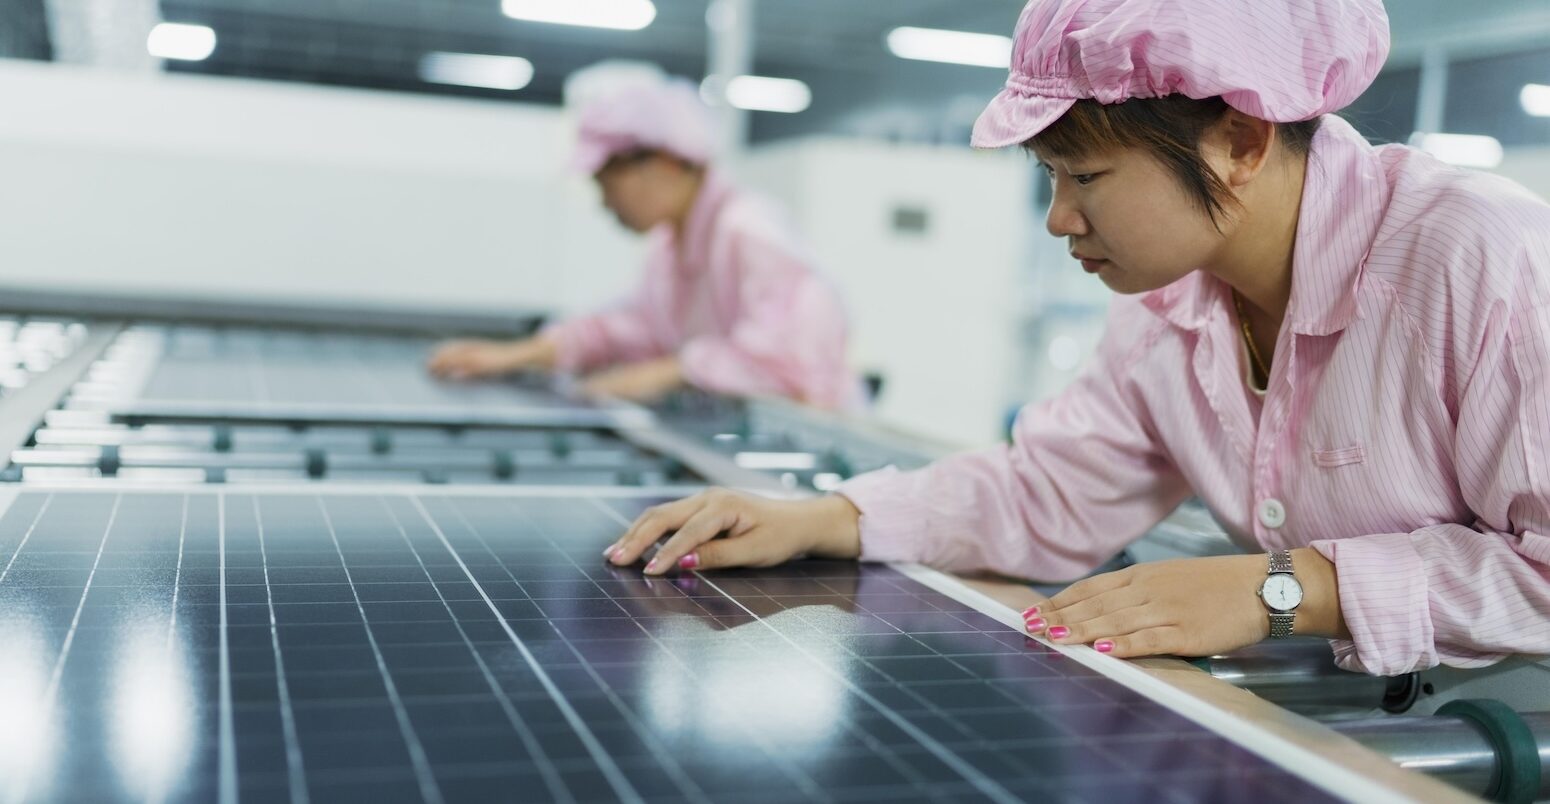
[
  {"x": 693, "y": 183},
  {"x": 1257, "y": 260}
]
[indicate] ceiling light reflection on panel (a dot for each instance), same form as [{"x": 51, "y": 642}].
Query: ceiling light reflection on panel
[
  {"x": 1535, "y": 99},
  {"x": 621, "y": 15},
  {"x": 172, "y": 40},
  {"x": 476, "y": 70},
  {"x": 952, "y": 47},
  {"x": 1464, "y": 150},
  {"x": 757, "y": 93}
]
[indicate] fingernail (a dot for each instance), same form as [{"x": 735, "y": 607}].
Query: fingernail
[
  {"x": 651, "y": 566},
  {"x": 1059, "y": 632},
  {"x": 1035, "y": 624},
  {"x": 689, "y": 561},
  {"x": 1031, "y": 611},
  {"x": 609, "y": 553},
  {"x": 1103, "y": 645}
]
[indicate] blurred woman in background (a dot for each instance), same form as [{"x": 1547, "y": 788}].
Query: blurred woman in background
[{"x": 729, "y": 301}]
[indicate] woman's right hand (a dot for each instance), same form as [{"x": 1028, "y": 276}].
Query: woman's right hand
[
  {"x": 760, "y": 532},
  {"x": 473, "y": 359}
]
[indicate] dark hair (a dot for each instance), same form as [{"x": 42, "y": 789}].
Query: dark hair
[{"x": 1169, "y": 128}]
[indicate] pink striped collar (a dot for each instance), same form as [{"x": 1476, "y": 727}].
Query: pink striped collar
[{"x": 694, "y": 250}]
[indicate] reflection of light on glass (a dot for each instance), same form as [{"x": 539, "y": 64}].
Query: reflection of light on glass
[
  {"x": 1535, "y": 99},
  {"x": 1465, "y": 150},
  {"x": 790, "y": 704},
  {"x": 151, "y": 715},
  {"x": 1064, "y": 353},
  {"x": 27, "y": 734}
]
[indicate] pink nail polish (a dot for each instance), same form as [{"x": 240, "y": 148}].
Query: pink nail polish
[
  {"x": 651, "y": 565},
  {"x": 1035, "y": 623},
  {"x": 609, "y": 553},
  {"x": 1031, "y": 611},
  {"x": 689, "y": 561},
  {"x": 1059, "y": 632},
  {"x": 1103, "y": 645}
]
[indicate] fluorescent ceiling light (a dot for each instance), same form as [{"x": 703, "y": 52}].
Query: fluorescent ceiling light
[
  {"x": 1465, "y": 150},
  {"x": 757, "y": 93},
  {"x": 476, "y": 70},
  {"x": 172, "y": 40},
  {"x": 622, "y": 15},
  {"x": 953, "y": 47},
  {"x": 1535, "y": 99}
]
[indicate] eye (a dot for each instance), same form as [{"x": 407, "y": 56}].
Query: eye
[{"x": 1084, "y": 179}]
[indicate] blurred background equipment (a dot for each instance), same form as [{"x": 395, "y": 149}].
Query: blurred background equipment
[{"x": 358, "y": 146}]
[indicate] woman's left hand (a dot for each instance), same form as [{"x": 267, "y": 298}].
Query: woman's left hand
[
  {"x": 646, "y": 381},
  {"x": 1185, "y": 607}
]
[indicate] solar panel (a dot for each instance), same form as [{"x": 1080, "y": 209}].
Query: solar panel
[
  {"x": 301, "y": 375},
  {"x": 182, "y": 452},
  {"x": 416, "y": 645}
]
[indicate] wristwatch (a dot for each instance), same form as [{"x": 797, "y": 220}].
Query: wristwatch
[{"x": 1281, "y": 594}]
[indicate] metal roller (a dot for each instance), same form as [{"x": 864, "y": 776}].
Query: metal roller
[
  {"x": 1481, "y": 747},
  {"x": 1301, "y": 675}
]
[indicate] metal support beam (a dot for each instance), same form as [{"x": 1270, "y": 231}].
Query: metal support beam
[
  {"x": 731, "y": 46},
  {"x": 104, "y": 33},
  {"x": 1433, "y": 91}
]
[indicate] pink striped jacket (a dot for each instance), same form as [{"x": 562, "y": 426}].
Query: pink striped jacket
[
  {"x": 737, "y": 300},
  {"x": 1405, "y": 434}
]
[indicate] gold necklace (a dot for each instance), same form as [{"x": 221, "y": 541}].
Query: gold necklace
[{"x": 1248, "y": 340}]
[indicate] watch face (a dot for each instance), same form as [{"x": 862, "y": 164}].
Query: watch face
[{"x": 1281, "y": 592}]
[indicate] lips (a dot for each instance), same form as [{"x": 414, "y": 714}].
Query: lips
[{"x": 1091, "y": 265}]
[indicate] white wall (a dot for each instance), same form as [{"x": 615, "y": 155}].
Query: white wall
[
  {"x": 230, "y": 188},
  {"x": 937, "y": 313},
  {"x": 1528, "y": 166}
]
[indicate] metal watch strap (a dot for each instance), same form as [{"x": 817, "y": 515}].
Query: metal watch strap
[{"x": 1282, "y": 623}]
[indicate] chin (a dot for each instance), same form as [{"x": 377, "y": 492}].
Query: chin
[{"x": 1128, "y": 284}]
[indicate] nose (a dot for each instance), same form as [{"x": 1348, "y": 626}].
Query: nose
[{"x": 1063, "y": 218}]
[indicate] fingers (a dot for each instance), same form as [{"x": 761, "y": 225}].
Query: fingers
[
  {"x": 1063, "y": 630},
  {"x": 1160, "y": 641},
  {"x": 1092, "y": 608},
  {"x": 755, "y": 536},
  {"x": 457, "y": 359},
  {"x": 1089, "y": 587},
  {"x": 653, "y": 523},
  {"x": 702, "y": 526},
  {"x": 476, "y": 358},
  {"x": 738, "y": 551}
]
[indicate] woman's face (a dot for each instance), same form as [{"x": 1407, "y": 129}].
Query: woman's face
[
  {"x": 1128, "y": 220},
  {"x": 643, "y": 192}
]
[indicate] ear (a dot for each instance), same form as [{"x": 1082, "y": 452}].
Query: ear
[{"x": 1246, "y": 144}]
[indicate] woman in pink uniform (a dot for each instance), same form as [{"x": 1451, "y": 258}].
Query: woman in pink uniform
[
  {"x": 729, "y": 302},
  {"x": 1343, "y": 350}
]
